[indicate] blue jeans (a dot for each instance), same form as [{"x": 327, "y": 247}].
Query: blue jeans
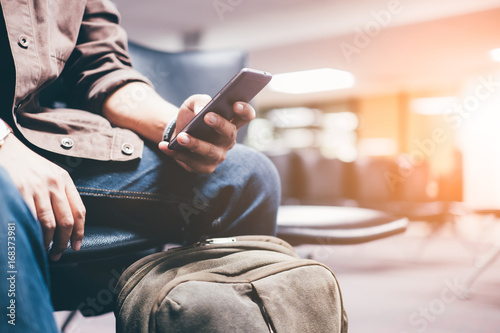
[
  {"x": 24, "y": 279},
  {"x": 240, "y": 197},
  {"x": 155, "y": 193}
]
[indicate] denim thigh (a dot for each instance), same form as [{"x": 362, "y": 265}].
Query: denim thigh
[
  {"x": 24, "y": 276},
  {"x": 240, "y": 197}
]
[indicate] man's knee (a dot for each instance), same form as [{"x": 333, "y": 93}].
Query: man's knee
[
  {"x": 9, "y": 195},
  {"x": 12, "y": 205},
  {"x": 262, "y": 172}
]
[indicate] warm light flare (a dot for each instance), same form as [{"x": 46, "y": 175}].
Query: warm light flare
[{"x": 495, "y": 54}]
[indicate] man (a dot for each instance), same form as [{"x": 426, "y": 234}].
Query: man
[{"x": 61, "y": 167}]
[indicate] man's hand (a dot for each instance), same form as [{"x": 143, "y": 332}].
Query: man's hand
[
  {"x": 202, "y": 156},
  {"x": 50, "y": 194},
  {"x": 148, "y": 116}
]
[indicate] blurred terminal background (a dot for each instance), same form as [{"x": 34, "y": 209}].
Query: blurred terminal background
[
  {"x": 390, "y": 104},
  {"x": 386, "y": 104}
]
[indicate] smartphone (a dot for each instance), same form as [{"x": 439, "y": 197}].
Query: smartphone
[{"x": 243, "y": 87}]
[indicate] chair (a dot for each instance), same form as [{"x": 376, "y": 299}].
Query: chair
[
  {"x": 285, "y": 162},
  {"x": 328, "y": 216},
  {"x": 376, "y": 182},
  {"x": 85, "y": 280},
  {"x": 417, "y": 202},
  {"x": 485, "y": 261},
  {"x": 323, "y": 181},
  {"x": 399, "y": 188},
  {"x": 336, "y": 225},
  {"x": 179, "y": 75}
]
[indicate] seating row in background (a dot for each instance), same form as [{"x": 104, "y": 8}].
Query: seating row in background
[{"x": 387, "y": 183}]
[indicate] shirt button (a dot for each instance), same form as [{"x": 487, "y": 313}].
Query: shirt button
[
  {"x": 127, "y": 149},
  {"x": 67, "y": 143},
  {"x": 23, "y": 41}
]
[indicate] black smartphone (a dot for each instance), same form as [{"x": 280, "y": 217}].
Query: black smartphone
[{"x": 243, "y": 87}]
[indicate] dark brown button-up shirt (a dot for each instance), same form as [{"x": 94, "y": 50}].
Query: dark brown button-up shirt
[{"x": 82, "y": 41}]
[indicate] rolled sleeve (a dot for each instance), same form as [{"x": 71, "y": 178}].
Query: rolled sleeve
[{"x": 100, "y": 63}]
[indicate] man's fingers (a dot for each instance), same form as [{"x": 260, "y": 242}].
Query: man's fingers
[
  {"x": 46, "y": 217},
  {"x": 244, "y": 112},
  {"x": 201, "y": 157},
  {"x": 226, "y": 129},
  {"x": 78, "y": 211},
  {"x": 207, "y": 151},
  {"x": 61, "y": 214},
  {"x": 195, "y": 103},
  {"x": 64, "y": 221}
]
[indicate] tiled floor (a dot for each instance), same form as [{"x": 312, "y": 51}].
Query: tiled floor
[
  {"x": 80, "y": 324},
  {"x": 404, "y": 284}
]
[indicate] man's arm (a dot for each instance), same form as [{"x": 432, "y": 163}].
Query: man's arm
[
  {"x": 138, "y": 107},
  {"x": 100, "y": 71},
  {"x": 99, "y": 63}
]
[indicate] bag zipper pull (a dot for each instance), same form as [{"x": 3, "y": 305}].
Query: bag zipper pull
[{"x": 218, "y": 241}]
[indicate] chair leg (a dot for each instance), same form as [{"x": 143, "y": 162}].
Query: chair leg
[
  {"x": 68, "y": 320},
  {"x": 486, "y": 261}
]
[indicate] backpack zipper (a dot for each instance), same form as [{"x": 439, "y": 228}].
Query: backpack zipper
[
  {"x": 254, "y": 296},
  {"x": 218, "y": 241}
]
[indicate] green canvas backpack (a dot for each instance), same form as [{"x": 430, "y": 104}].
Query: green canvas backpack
[{"x": 242, "y": 284}]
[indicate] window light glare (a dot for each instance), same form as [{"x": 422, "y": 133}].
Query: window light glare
[
  {"x": 345, "y": 121},
  {"x": 315, "y": 80},
  {"x": 495, "y": 54},
  {"x": 378, "y": 147}
]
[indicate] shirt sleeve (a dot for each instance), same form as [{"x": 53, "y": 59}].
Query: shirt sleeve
[{"x": 100, "y": 63}]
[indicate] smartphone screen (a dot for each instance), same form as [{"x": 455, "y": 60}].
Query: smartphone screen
[{"x": 243, "y": 87}]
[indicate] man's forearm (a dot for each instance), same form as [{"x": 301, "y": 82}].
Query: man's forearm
[{"x": 138, "y": 107}]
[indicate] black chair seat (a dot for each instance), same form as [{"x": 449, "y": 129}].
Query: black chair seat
[
  {"x": 85, "y": 279},
  {"x": 335, "y": 225},
  {"x": 106, "y": 242}
]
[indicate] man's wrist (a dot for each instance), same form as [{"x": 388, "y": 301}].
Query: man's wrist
[{"x": 5, "y": 130}]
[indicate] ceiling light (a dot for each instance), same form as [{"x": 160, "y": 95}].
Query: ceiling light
[
  {"x": 315, "y": 80},
  {"x": 433, "y": 105},
  {"x": 495, "y": 54}
]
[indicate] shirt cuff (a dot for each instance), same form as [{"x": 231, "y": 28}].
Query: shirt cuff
[{"x": 105, "y": 86}]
